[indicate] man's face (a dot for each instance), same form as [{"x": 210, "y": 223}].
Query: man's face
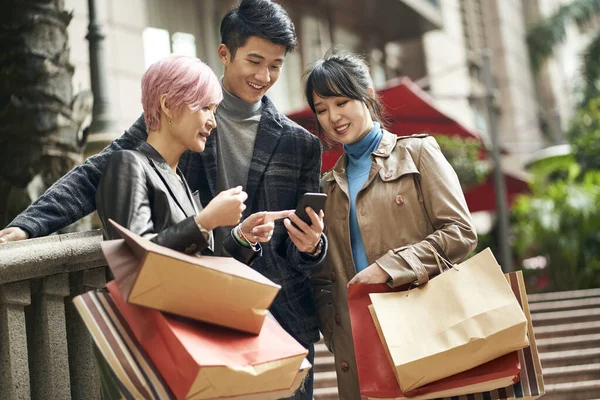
[{"x": 254, "y": 69}]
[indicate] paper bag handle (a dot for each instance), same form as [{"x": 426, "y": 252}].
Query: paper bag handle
[{"x": 439, "y": 258}]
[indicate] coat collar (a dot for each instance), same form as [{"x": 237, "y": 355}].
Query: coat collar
[
  {"x": 269, "y": 133},
  {"x": 386, "y": 145},
  {"x": 389, "y": 168},
  {"x": 178, "y": 189}
]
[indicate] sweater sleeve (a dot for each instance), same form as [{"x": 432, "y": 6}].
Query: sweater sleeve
[{"x": 72, "y": 197}]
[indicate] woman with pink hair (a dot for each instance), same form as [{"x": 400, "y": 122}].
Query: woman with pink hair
[{"x": 145, "y": 191}]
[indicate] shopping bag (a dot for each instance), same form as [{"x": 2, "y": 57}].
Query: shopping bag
[
  {"x": 137, "y": 376},
  {"x": 531, "y": 384},
  {"x": 375, "y": 373},
  {"x": 219, "y": 290},
  {"x": 462, "y": 318},
  {"x": 204, "y": 361}
]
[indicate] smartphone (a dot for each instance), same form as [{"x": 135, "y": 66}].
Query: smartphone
[{"x": 316, "y": 201}]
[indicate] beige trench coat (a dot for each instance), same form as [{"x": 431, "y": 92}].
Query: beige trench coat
[{"x": 412, "y": 195}]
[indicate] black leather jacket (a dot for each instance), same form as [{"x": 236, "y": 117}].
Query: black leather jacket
[{"x": 139, "y": 191}]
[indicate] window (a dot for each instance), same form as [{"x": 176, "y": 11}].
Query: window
[
  {"x": 184, "y": 43},
  {"x": 158, "y": 43}
]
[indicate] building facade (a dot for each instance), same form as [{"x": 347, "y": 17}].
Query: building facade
[
  {"x": 436, "y": 43},
  {"x": 139, "y": 32}
]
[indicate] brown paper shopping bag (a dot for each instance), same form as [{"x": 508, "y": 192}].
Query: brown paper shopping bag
[
  {"x": 376, "y": 375},
  {"x": 531, "y": 383},
  {"x": 218, "y": 290},
  {"x": 462, "y": 318}
]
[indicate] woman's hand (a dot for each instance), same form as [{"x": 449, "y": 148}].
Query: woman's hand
[
  {"x": 224, "y": 210},
  {"x": 259, "y": 226},
  {"x": 372, "y": 274},
  {"x": 307, "y": 237}
]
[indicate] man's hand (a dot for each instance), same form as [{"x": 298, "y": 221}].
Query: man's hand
[
  {"x": 259, "y": 226},
  {"x": 372, "y": 274},
  {"x": 307, "y": 237},
  {"x": 13, "y": 234}
]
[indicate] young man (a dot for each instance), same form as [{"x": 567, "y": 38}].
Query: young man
[{"x": 275, "y": 160}]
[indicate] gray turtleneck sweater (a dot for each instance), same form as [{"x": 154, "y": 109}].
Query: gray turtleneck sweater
[{"x": 237, "y": 127}]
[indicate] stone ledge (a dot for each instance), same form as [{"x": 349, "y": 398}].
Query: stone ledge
[{"x": 36, "y": 258}]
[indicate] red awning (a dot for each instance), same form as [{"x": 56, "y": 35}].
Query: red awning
[
  {"x": 482, "y": 197},
  {"x": 411, "y": 110}
]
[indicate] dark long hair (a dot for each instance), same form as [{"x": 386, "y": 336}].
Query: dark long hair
[
  {"x": 341, "y": 74},
  {"x": 260, "y": 18}
]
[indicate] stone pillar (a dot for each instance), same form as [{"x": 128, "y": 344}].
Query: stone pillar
[
  {"x": 102, "y": 130},
  {"x": 47, "y": 338},
  {"x": 85, "y": 382},
  {"x": 14, "y": 372}
]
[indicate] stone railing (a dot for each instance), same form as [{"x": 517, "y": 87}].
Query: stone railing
[{"x": 45, "y": 351}]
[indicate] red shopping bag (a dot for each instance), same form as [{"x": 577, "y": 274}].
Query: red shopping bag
[
  {"x": 376, "y": 375},
  {"x": 203, "y": 361}
]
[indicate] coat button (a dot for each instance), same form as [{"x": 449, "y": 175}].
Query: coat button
[
  {"x": 345, "y": 366},
  {"x": 332, "y": 276},
  {"x": 399, "y": 199},
  {"x": 337, "y": 319}
]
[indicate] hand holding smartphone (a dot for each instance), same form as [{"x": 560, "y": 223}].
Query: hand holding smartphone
[{"x": 316, "y": 201}]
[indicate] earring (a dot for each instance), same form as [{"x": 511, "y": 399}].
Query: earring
[{"x": 169, "y": 120}]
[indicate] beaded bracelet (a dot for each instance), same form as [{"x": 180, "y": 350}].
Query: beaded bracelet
[{"x": 253, "y": 245}]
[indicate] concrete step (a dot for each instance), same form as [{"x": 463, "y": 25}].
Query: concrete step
[
  {"x": 565, "y": 317},
  {"x": 553, "y": 296},
  {"x": 568, "y": 342},
  {"x": 325, "y": 379},
  {"x": 323, "y": 364},
  {"x": 564, "y": 305},
  {"x": 572, "y": 373},
  {"x": 583, "y": 390},
  {"x": 329, "y": 393},
  {"x": 581, "y": 328},
  {"x": 570, "y": 357},
  {"x": 321, "y": 350}
]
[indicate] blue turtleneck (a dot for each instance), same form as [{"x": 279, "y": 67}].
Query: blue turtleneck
[{"x": 357, "y": 172}]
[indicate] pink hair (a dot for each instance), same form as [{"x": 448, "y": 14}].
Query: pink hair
[{"x": 186, "y": 81}]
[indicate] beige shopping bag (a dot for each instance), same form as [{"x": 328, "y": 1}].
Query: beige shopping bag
[
  {"x": 462, "y": 318},
  {"x": 218, "y": 290}
]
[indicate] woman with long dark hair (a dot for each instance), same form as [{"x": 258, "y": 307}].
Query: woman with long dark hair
[{"x": 389, "y": 200}]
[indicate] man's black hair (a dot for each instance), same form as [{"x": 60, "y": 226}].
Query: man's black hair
[{"x": 260, "y": 18}]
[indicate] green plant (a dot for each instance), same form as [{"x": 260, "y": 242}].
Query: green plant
[
  {"x": 562, "y": 222},
  {"x": 584, "y": 135},
  {"x": 463, "y": 155}
]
